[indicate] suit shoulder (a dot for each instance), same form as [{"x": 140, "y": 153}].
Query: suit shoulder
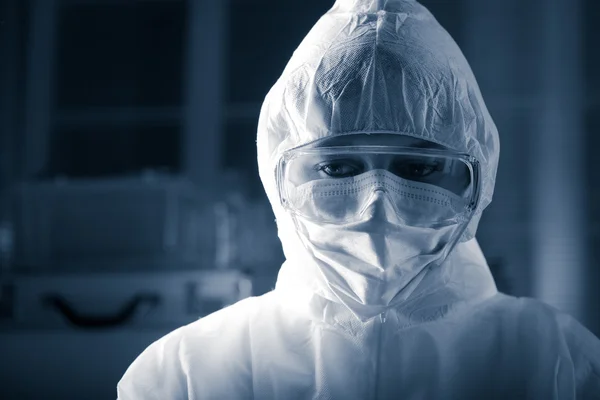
[{"x": 164, "y": 367}]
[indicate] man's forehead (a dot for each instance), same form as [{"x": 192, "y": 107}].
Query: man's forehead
[{"x": 376, "y": 139}]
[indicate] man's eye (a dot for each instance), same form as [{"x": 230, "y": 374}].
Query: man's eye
[
  {"x": 416, "y": 170},
  {"x": 339, "y": 169}
]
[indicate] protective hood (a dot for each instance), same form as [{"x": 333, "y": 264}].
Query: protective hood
[{"x": 371, "y": 66}]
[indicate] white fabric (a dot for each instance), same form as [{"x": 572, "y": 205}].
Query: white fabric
[{"x": 387, "y": 67}]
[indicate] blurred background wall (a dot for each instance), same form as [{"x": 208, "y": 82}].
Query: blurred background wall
[{"x": 129, "y": 194}]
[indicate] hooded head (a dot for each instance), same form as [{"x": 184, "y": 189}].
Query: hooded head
[{"x": 374, "y": 67}]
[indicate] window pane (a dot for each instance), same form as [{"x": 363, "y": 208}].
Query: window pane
[
  {"x": 114, "y": 150},
  {"x": 263, "y": 35},
  {"x": 239, "y": 153},
  {"x": 120, "y": 54},
  {"x": 592, "y": 56}
]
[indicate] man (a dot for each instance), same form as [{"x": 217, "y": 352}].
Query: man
[{"x": 378, "y": 156}]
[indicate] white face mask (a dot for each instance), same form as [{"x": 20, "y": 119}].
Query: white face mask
[{"x": 378, "y": 261}]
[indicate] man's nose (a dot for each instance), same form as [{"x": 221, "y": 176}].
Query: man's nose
[{"x": 379, "y": 206}]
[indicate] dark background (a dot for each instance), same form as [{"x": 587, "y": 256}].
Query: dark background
[{"x": 127, "y": 160}]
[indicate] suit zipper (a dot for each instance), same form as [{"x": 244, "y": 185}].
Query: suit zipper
[{"x": 378, "y": 355}]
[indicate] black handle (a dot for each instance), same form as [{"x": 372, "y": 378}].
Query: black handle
[{"x": 122, "y": 317}]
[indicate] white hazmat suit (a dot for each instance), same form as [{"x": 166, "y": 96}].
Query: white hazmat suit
[{"x": 383, "y": 67}]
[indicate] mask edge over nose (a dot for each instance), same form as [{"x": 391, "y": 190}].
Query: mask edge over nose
[{"x": 347, "y": 200}]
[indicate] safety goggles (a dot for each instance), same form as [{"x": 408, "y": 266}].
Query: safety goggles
[{"x": 339, "y": 184}]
